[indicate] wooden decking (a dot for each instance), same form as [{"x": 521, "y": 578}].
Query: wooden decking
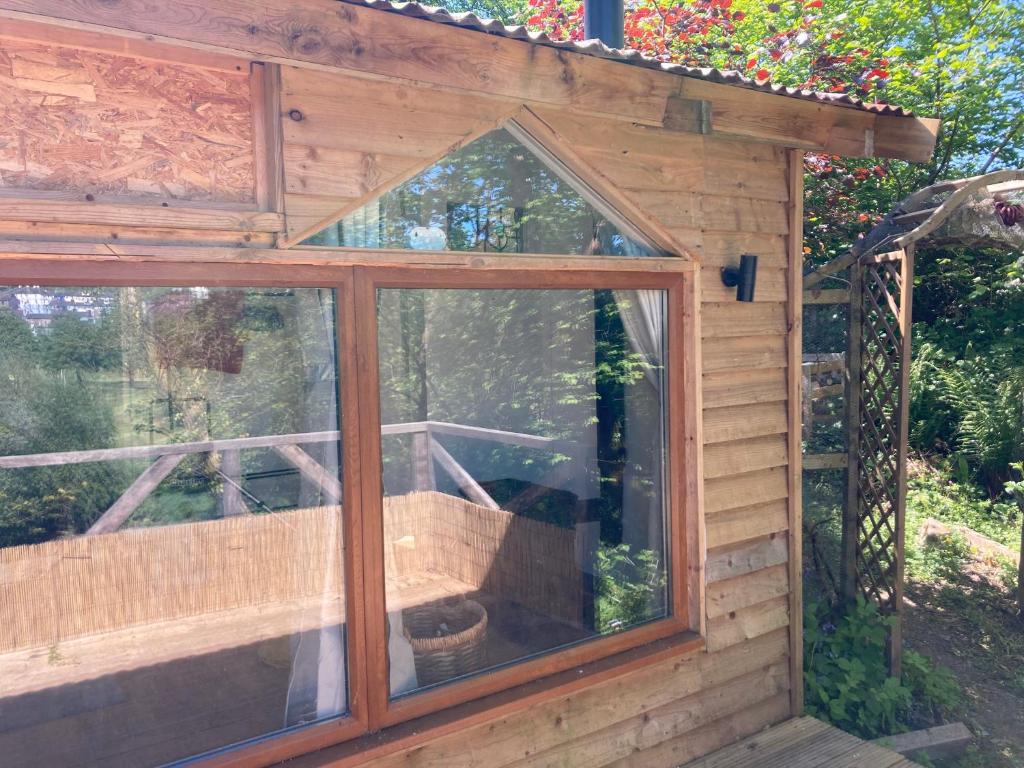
[{"x": 803, "y": 743}]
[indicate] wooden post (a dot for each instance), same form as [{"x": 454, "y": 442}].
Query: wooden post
[
  {"x": 463, "y": 479},
  {"x": 903, "y": 433},
  {"x": 795, "y": 385},
  {"x": 1020, "y": 561},
  {"x": 231, "y": 499},
  {"x": 312, "y": 471},
  {"x": 137, "y": 493},
  {"x": 422, "y": 463},
  {"x": 851, "y": 506}
]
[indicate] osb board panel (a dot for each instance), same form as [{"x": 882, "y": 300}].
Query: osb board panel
[{"x": 75, "y": 121}]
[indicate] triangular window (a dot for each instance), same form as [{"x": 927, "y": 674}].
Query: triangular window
[{"x": 495, "y": 194}]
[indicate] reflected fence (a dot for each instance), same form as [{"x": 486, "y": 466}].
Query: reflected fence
[{"x": 85, "y": 585}]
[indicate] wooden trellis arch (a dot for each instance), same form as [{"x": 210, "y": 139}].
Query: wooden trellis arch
[{"x": 879, "y": 277}]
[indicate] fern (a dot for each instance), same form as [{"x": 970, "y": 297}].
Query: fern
[{"x": 990, "y": 407}]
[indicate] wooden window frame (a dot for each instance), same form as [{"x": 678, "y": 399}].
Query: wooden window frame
[
  {"x": 386, "y": 711},
  {"x": 519, "y": 683}
]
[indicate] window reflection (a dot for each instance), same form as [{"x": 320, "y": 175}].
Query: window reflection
[
  {"x": 524, "y": 451},
  {"x": 170, "y": 521},
  {"x": 493, "y": 195}
]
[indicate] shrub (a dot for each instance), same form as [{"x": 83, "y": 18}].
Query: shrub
[
  {"x": 936, "y": 693},
  {"x": 846, "y": 675}
]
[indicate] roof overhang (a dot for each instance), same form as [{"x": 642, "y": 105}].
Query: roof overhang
[{"x": 364, "y": 41}]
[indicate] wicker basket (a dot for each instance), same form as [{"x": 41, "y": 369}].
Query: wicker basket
[{"x": 441, "y": 657}]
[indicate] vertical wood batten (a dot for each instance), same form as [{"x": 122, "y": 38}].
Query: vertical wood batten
[
  {"x": 903, "y": 428},
  {"x": 794, "y": 317},
  {"x": 265, "y": 82}
]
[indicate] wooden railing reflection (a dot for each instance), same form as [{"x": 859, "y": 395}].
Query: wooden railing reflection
[{"x": 426, "y": 449}]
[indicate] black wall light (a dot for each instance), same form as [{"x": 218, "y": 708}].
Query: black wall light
[{"x": 742, "y": 278}]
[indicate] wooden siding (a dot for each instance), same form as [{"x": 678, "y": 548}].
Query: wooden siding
[
  {"x": 345, "y": 139},
  {"x": 718, "y": 199}
]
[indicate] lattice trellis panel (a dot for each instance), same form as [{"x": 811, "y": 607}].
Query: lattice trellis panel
[{"x": 879, "y": 432}]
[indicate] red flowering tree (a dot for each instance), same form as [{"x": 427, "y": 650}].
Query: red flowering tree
[{"x": 955, "y": 60}]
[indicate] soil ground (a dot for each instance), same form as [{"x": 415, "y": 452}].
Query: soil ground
[{"x": 970, "y": 625}]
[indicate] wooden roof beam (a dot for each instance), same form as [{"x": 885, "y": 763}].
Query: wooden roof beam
[{"x": 368, "y": 43}]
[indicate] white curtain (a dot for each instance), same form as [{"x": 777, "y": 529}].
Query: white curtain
[
  {"x": 643, "y": 315},
  {"x": 317, "y": 685}
]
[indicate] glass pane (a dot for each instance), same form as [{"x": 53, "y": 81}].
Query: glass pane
[
  {"x": 492, "y": 195},
  {"x": 524, "y": 455},
  {"x": 170, "y": 521}
]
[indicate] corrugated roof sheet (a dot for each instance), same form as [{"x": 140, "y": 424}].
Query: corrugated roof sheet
[{"x": 599, "y": 49}]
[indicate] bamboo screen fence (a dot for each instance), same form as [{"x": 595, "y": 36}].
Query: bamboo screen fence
[{"x": 76, "y": 587}]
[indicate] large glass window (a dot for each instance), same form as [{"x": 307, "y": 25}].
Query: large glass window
[
  {"x": 170, "y": 523},
  {"x": 493, "y": 195},
  {"x": 524, "y": 456}
]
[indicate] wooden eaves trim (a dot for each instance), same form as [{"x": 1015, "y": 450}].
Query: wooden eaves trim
[{"x": 363, "y": 42}]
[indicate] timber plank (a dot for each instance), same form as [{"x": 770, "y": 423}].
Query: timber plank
[
  {"x": 305, "y": 212},
  {"x": 649, "y": 173},
  {"x": 738, "y": 387},
  {"x": 725, "y": 248},
  {"x": 728, "y": 425},
  {"x": 68, "y": 233},
  {"x": 747, "y": 590},
  {"x": 647, "y": 730},
  {"x": 802, "y": 743},
  {"x": 756, "y": 555},
  {"x": 744, "y": 214},
  {"x": 701, "y": 741},
  {"x": 729, "y": 527},
  {"x": 517, "y": 736},
  {"x": 741, "y": 456},
  {"x": 820, "y": 748},
  {"x": 344, "y": 173},
  {"x": 744, "y": 352},
  {"x": 771, "y": 284},
  {"x": 413, "y": 132},
  {"x": 745, "y": 490},
  {"x": 759, "y": 749},
  {"x": 167, "y": 215},
  {"x": 738, "y": 318},
  {"x": 747, "y": 623}
]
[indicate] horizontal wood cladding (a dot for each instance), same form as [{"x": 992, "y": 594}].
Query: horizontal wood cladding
[
  {"x": 650, "y": 728},
  {"x": 166, "y": 215},
  {"x": 743, "y": 353},
  {"x": 749, "y": 557},
  {"x": 348, "y": 140},
  {"x": 616, "y": 720},
  {"x": 90, "y": 123},
  {"x": 744, "y": 591},
  {"x": 725, "y": 388},
  {"x": 726, "y": 730},
  {"x": 48, "y": 233},
  {"x": 729, "y": 526},
  {"x": 724, "y": 459},
  {"x": 744, "y": 490},
  {"x": 732, "y": 318},
  {"x": 746, "y": 623},
  {"x": 729, "y": 425}
]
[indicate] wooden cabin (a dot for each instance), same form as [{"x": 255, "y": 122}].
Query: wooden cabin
[{"x": 373, "y": 394}]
